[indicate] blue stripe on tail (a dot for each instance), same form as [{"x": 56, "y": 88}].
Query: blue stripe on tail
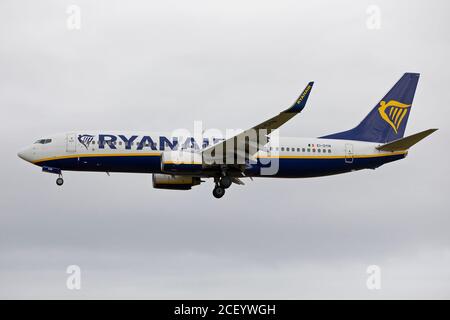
[{"x": 387, "y": 120}]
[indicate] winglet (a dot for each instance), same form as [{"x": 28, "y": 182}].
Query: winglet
[
  {"x": 407, "y": 142},
  {"x": 300, "y": 103}
]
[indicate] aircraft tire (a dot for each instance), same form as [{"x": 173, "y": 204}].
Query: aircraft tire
[
  {"x": 225, "y": 182},
  {"x": 218, "y": 192},
  {"x": 59, "y": 181}
]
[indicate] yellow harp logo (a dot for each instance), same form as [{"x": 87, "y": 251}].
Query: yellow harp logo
[{"x": 393, "y": 113}]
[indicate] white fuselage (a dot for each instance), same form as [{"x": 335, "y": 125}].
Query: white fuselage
[{"x": 117, "y": 151}]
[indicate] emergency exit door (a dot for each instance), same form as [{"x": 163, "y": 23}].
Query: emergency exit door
[{"x": 71, "y": 142}]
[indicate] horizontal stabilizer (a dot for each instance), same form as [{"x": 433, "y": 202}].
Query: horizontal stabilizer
[{"x": 407, "y": 142}]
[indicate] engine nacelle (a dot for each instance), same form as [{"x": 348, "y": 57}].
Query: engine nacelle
[
  {"x": 168, "y": 181},
  {"x": 181, "y": 162}
]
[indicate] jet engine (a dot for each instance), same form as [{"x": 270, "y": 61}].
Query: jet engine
[{"x": 168, "y": 181}]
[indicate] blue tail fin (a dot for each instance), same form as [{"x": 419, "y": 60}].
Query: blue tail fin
[{"x": 387, "y": 121}]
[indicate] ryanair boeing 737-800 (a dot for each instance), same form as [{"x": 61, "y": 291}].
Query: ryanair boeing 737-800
[{"x": 179, "y": 162}]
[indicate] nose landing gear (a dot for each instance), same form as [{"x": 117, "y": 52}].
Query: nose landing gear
[
  {"x": 57, "y": 171},
  {"x": 60, "y": 181}
]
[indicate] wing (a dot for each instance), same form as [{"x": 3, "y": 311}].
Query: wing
[{"x": 241, "y": 147}]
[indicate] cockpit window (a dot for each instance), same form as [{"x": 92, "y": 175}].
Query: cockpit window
[{"x": 43, "y": 141}]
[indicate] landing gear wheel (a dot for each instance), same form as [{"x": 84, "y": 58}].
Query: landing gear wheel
[
  {"x": 218, "y": 192},
  {"x": 59, "y": 181},
  {"x": 225, "y": 182}
]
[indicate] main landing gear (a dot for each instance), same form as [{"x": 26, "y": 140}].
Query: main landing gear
[
  {"x": 225, "y": 182},
  {"x": 221, "y": 184},
  {"x": 218, "y": 192}
]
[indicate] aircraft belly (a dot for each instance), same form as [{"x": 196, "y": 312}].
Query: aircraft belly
[
  {"x": 316, "y": 167},
  {"x": 137, "y": 164}
]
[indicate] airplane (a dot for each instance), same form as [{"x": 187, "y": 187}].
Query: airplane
[{"x": 181, "y": 162}]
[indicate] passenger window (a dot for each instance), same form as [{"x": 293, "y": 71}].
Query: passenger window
[
  {"x": 318, "y": 150},
  {"x": 282, "y": 148},
  {"x": 309, "y": 150},
  {"x": 303, "y": 149},
  {"x": 313, "y": 150},
  {"x": 287, "y": 149},
  {"x": 329, "y": 150}
]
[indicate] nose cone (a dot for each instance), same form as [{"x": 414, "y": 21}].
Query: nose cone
[{"x": 25, "y": 154}]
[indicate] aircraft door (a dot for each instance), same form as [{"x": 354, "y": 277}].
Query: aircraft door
[
  {"x": 71, "y": 142},
  {"x": 348, "y": 153}
]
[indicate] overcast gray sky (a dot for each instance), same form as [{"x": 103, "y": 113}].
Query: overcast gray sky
[{"x": 161, "y": 65}]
